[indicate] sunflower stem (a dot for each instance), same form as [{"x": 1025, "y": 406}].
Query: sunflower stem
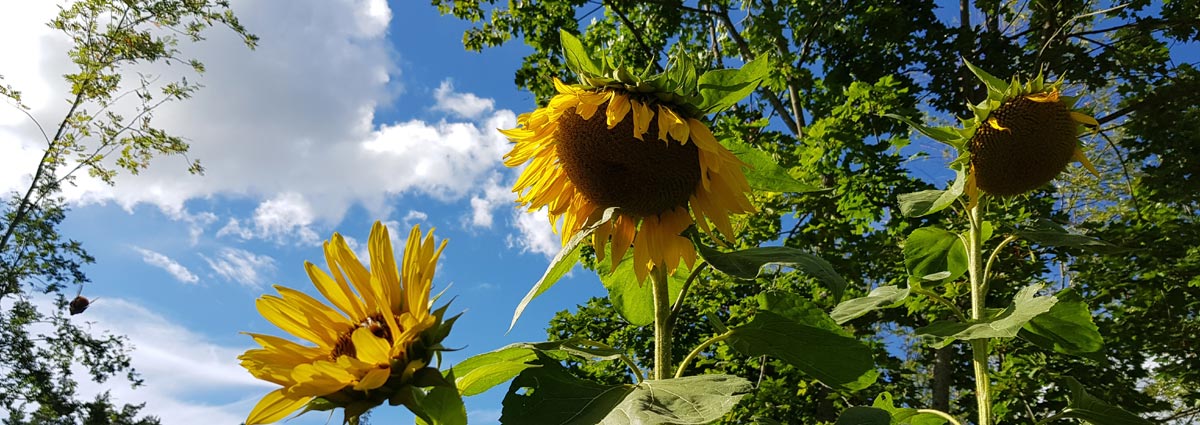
[
  {"x": 979, "y": 347},
  {"x": 662, "y": 323}
]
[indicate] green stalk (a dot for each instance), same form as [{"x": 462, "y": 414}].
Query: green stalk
[
  {"x": 662, "y": 323},
  {"x": 979, "y": 347}
]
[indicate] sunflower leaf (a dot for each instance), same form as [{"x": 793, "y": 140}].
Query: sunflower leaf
[
  {"x": 927, "y": 202},
  {"x": 633, "y": 300},
  {"x": 563, "y": 262},
  {"x": 895, "y": 415},
  {"x": 763, "y": 172},
  {"x": 881, "y": 297},
  {"x": 946, "y": 135},
  {"x": 1067, "y": 328},
  {"x": 1049, "y": 233},
  {"x": 1088, "y": 408},
  {"x": 748, "y": 264},
  {"x": 930, "y": 251},
  {"x": 723, "y": 88},
  {"x": 795, "y": 331},
  {"x": 442, "y": 405},
  {"x": 481, "y": 372},
  {"x": 862, "y": 415},
  {"x": 577, "y": 56},
  {"x": 1005, "y": 324}
]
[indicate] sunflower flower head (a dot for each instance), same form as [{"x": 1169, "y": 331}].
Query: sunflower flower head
[
  {"x": 373, "y": 342},
  {"x": 636, "y": 145}
]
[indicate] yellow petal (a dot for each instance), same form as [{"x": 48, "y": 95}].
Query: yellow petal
[
  {"x": 374, "y": 378},
  {"x": 642, "y": 114},
  {"x": 293, "y": 321},
  {"x": 275, "y": 406},
  {"x": 992, "y": 122},
  {"x": 1084, "y": 119},
  {"x": 618, "y": 107},
  {"x": 370, "y": 348},
  {"x": 383, "y": 266},
  {"x": 336, "y": 291},
  {"x": 358, "y": 275},
  {"x": 1082, "y": 159}
]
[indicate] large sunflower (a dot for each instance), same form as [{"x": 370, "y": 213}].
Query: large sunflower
[
  {"x": 370, "y": 337},
  {"x": 593, "y": 148}
]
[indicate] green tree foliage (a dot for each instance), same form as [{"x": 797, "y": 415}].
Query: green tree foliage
[
  {"x": 842, "y": 65},
  {"x": 40, "y": 344}
]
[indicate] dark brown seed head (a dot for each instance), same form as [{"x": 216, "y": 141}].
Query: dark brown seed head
[
  {"x": 78, "y": 305},
  {"x": 613, "y": 169},
  {"x": 1033, "y": 144}
]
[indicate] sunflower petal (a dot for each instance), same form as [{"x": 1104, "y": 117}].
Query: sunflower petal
[
  {"x": 1078, "y": 155},
  {"x": 275, "y": 406}
]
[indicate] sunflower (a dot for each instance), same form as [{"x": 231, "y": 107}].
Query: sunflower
[
  {"x": 593, "y": 148},
  {"x": 1025, "y": 142},
  {"x": 367, "y": 344}
]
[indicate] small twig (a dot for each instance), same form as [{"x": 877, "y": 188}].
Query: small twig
[{"x": 637, "y": 35}]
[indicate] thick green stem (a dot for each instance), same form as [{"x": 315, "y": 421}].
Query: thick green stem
[
  {"x": 662, "y": 324},
  {"x": 979, "y": 347}
]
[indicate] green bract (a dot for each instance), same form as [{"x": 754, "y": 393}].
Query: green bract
[{"x": 691, "y": 94}]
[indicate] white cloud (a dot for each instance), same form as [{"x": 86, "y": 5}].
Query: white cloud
[
  {"x": 466, "y": 105},
  {"x": 181, "y": 368},
  {"x": 536, "y": 234},
  {"x": 494, "y": 195},
  {"x": 241, "y": 266},
  {"x": 287, "y": 216},
  {"x": 164, "y": 262},
  {"x": 290, "y": 125}
]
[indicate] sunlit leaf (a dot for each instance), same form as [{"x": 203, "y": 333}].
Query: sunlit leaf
[
  {"x": 881, "y": 297},
  {"x": 931, "y": 250},
  {"x": 1049, "y": 233},
  {"x": 723, "y": 88},
  {"x": 577, "y": 56},
  {"x": 1005, "y": 324},
  {"x": 927, "y": 202},
  {"x": 562, "y": 263},
  {"x": 763, "y": 172},
  {"x": 634, "y": 301},
  {"x": 1067, "y": 328}
]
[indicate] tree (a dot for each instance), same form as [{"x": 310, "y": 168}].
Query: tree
[
  {"x": 847, "y": 62},
  {"x": 40, "y": 344}
]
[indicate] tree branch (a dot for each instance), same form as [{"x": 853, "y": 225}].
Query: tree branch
[{"x": 748, "y": 55}]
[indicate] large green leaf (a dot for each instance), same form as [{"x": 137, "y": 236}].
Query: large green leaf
[
  {"x": 861, "y": 415},
  {"x": 634, "y": 300},
  {"x": 1067, "y": 328},
  {"x": 905, "y": 415},
  {"x": 481, "y": 372},
  {"x": 1026, "y": 305},
  {"x": 948, "y": 135},
  {"x": 1085, "y": 407},
  {"x": 929, "y": 251},
  {"x": 578, "y": 58},
  {"x": 927, "y": 202},
  {"x": 441, "y": 405},
  {"x": 993, "y": 84},
  {"x": 791, "y": 329},
  {"x": 748, "y": 263},
  {"x": 563, "y": 262},
  {"x": 550, "y": 395},
  {"x": 689, "y": 400},
  {"x": 763, "y": 173},
  {"x": 723, "y": 88},
  {"x": 881, "y": 297},
  {"x": 1049, "y": 233}
]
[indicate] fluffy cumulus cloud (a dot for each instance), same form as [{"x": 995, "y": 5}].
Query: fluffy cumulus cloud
[
  {"x": 535, "y": 234},
  {"x": 179, "y": 383},
  {"x": 275, "y": 125},
  {"x": 241, "y": 266},
  {"x": 466, "y": 105},
  {"x": 178, "y": 271}
]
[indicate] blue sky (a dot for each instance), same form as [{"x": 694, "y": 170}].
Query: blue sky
[{"x": 349, "y": 111}]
